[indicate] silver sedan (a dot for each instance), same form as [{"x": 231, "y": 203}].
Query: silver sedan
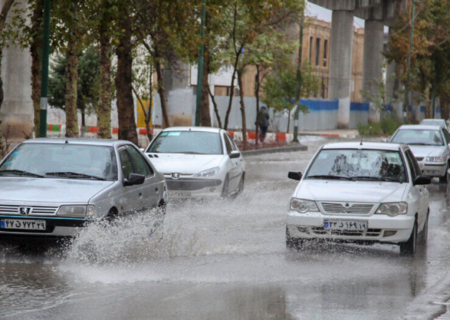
[
  {"x": 430, "y": 145},
  {"x": 52, "y": 187}
]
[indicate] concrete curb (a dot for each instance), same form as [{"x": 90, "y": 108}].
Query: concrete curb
[
  {"x": 274, "y": 150},
  {"x": 330, "y": 135}
]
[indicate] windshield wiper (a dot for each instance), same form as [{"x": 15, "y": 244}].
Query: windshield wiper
[
  {"x": 418, "y": 144},
  {"x": 73, "y": 175},
  {"x": 377, "y": 178},
  {"x": 22, "y": 173},
  {"x": 330, "y": 177}
]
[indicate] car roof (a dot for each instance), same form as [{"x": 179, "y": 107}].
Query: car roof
[
  {"x": 419, "y": 127},
  {"x": 193, "y": 128},
  {"x": 86, "y": 141},
  {"x": 364, "y": 145},
  {"x": 433, "y": 120}
]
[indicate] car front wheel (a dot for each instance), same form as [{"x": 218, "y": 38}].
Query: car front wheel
[
  {"x": 408, "y": 248},
  {"x": 293, "y": 243}
]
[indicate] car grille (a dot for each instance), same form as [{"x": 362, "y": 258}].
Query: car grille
[
  {"x": 191, "y": 184},
  {"x": 419, "y": 158},
  {"x": 351, "y": 233},
  {"x": 37, "y": 210},
  {"x": 347, "y": 208}
]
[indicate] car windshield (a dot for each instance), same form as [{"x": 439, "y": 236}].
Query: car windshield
[
  {"x": 364, "y": 165},
  {"x": 191, "y": 142},
  {"x": 65, "y": 161},
  {"x": 418, "y": 137},
  {"x": 433, "y": 122}
]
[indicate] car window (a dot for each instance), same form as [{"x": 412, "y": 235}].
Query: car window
[
  {"x": 382, "y": 165},
  {"x": 447, "y": 136},
  {"x": 58, "y": 160},
  {"x": 227, "y": 144},
  {"x": 413, "y": 165},
  {"x": 419, "y": 137},
  {"x": 142, "y": 167},
  {"x": 190, "y": 142},
  {"x": 125, "y": 163},
  {"x": 233, "y": 145}
]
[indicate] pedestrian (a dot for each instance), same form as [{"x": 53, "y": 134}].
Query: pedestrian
[{"x": 263, "y": 122}]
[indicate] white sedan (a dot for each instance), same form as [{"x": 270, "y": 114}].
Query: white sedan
[
  {"x": 198, "y": 162},
  {"x": 360, "y": 192}
]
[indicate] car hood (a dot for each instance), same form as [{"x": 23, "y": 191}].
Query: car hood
[
  {"x": 185, "y": 163},
  {"x": 23, "y": 189},
  {"x": 353, "y": 191},
  {"x": 427, "y": 151}
]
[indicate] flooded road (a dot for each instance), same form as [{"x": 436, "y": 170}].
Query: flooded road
[{"x": 223, "y": 260}]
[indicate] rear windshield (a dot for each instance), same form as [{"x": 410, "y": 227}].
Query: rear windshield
[
  {"x": 351, "y": 164},
  {"x": 190, "y": 142},
  {"x": 419, "y": 137}
]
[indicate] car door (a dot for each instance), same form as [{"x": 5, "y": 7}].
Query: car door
[
  {"x": 446, "y": 154},
  {"x": 418, "y": 192},
  {"x": 131, "y": 199},
  {"x": 233, "y": 172},
  {"x": 149, "y": 190},
  {"x": 237, "y": 162}
]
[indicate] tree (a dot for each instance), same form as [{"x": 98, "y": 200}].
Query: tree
[
  {"x": 429, "y": 53},
  {"x": 280, "y": 87},
  {"x": 248, "y": 21},
  {"x": 87, "y": 90}
]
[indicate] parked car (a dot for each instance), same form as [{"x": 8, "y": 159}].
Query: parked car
[
  {"x": 52, "y": 187},
  {"x": 360, "y": 192},
  {"x": 430, "y": 146},
  {"x": 198, "y": 162},
  {"x": 435, "y": 122}
]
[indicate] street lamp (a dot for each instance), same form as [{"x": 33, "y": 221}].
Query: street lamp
[
  {"x": 406, "y": 104},
  {"x": 200, "y": 67},
  {"x": 44, "y": 81},
  {"x": 299, "y": 82}
]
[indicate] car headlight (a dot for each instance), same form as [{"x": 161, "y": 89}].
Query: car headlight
[
  {"x": 393, "y": 209},
  {"x": 434, "y": 159},
  {"x": 303, "y": 206},
  {"x": 72, "y": 211},
  {"x": 208, "y": 172}
]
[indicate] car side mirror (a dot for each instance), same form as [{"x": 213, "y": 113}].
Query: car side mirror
[
  {"x": 295, "y": 175},
  {"x": 385, "y": 139},
  {"x": 142, "y": 149},
  {"x": 133, "y": 179},
  {"x": 448, "y": 145},
  {"x": 235, "y": 154},
  {"x": 421, "y": 180}
]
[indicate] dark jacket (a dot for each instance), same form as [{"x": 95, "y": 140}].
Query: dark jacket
[{"x": 263, "y": 117}]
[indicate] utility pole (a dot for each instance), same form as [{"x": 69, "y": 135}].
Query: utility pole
[
  {"x": 299, "y": 82},
  {"x": 44, "y": 81},
  {"x": 406, "y": 103},
  {"x": 200, "y": 67}
]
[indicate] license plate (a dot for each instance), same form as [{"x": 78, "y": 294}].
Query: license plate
[
  {"x": 22, "y": 224},
  {"x": 345, "y": 225},
  {"x": 181, "y": 194}
]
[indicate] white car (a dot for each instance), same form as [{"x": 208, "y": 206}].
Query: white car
[
  {"x": 360, "y": 192},
  {"x": 430, "y": 145},
  {"x": 198, "y": 162}
]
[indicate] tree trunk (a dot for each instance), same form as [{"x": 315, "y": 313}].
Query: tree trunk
[
  {"x": 444, "y": 108},
  {"x": 36, "y": 63},
  {"x": 289, "y": 122},
  {"x": 205, "y": 118},
  {"x": 70, "y": 100},
  {"x": 227, "y": 116},
  {"x": 257, "y": 104},
  {"x": 244, "y": 120},
  {"x": 162, "y": 93},
  {"x": 104, "y": 103},
  {"x": 125, "y": 103},
  {"x": 216, "y": 109},
  {"x": 148, "y": 116}
]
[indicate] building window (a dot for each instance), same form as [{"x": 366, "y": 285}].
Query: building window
[
  {"x": 317, "y": 51},
  {"x": 236, "y": 92},
  {"x": 195, "y": 90},
  {"x": 325, "y": 48},
  {"x": 310, "y": 49}
]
